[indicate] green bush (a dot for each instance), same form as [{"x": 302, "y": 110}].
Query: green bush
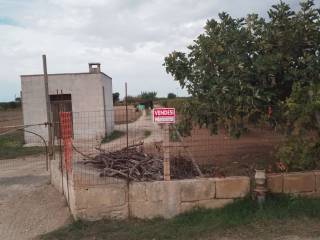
[{"x": 299, "y": 154}]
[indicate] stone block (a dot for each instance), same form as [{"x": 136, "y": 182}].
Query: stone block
[
  {"x": 317, "y": 176},
  {"x": 171, "y": 199},
  {"x": 137, "y": 192},
  {"x": 275, "y": 183},
  {"x": 187, "y": 206},
  {"x": 146, "y": 210},
  {"x": 197, "y": 189},
  {"x": 232, "y": 187},
  {"x": 155, "y": 191},
  {"x": 299, "y": 182},
  {"x": 96, "y": 213},
  {"x": 110, "y": 195},
  {"x": 214, "y": 203},
  {"x": 209, "y": 204}
]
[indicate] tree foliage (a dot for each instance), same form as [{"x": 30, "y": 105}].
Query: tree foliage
[
  {"x": 148, "y": 95},
  {"x": 239, "y": 67},
  {"x": 116, "y": 97},
  {"x": 171, "y": 96}
]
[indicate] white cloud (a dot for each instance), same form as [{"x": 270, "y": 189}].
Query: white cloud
[{"x": 129, "y": 37}]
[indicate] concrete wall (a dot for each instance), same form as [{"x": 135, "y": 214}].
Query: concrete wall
[
  {"x": 87, "y": 102},
  {"x": 301, "y": 183}
]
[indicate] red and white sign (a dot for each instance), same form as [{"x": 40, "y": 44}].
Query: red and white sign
[{"x": 164, "y": 115}]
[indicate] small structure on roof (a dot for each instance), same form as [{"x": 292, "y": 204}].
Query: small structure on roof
[{"x": 87, "y": 95}]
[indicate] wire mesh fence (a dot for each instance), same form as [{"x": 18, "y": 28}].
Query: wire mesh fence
[
  {"x": 112, "y": 145},
  {"x": 107, "y": 144},
  {"x": 15, "y": 153},
  {"x": 116, "y": 144},
  {"x": 119, "y": 144}
]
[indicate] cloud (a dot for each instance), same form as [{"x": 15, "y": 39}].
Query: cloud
[{"x": 129, "y": 37}]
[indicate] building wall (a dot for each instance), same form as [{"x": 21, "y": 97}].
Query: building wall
[
  {"x": 87, "y": 102},
  {"x": 107, "y": 86}
]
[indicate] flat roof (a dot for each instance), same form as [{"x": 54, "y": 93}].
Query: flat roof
[{"x": 51, "y": 74}]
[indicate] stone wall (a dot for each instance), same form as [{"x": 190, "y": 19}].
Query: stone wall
[
  {"x": 302, "y": 183},
  {"x": 166, "y": 199},
  {"x": 169, "y": 198},
  {"x": 145, "y": 200}
]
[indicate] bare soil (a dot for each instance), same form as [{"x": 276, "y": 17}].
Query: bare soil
[
  {"x": 10, "y": 118},
  {"x": 29, "y": 205},
  {"x": 222, "y": 155},
  {"x": 120, "y": 114}
]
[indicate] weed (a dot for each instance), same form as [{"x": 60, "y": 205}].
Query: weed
[
  {"x": 114, "y": 135},
  {"x": 11, "y": 146}
]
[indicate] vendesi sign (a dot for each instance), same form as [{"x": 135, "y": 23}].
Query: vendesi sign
[{"x": 164, "y": 115}]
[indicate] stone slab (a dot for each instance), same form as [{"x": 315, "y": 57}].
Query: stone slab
[
  {"x": 232, "y": 187},
  {"x": 214, "y": 203},
  {"x": 97, "y": 213},
  {"x": 147, "y": 210},
  {"x": 275, "y": 183},
  {"x": 299, "y": 182},
  {"x": 197, "y": 189},
  {"x": 137, "y": 192},
  {"x": 317, "y": 176},
  {"x": 110, "y": 195}
]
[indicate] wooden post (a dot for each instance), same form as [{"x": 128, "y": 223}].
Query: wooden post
[
  {"x": 166, "y": 153},
  {"x": 127, "y": 119},
  {"x": 46, "y": 89}
]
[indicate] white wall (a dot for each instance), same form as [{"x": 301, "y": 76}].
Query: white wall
[
  {"x": 87, "y": 102},
  {"x": 107, "y": 84}
]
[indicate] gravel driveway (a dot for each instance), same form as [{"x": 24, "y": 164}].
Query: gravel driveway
[{"x": 29, "y": 205}]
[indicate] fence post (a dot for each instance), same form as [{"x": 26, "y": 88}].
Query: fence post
[{"x": 166, "y": 153}]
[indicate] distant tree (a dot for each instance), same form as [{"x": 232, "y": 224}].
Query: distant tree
[
  {"x": 171, "y": 95},
  {"x": 148, "y": 95},
  {"x": 130, "y": 99},
  {"x": 116, "y": 97}
]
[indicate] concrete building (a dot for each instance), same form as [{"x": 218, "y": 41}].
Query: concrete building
[{"x": 87, "y": 95}]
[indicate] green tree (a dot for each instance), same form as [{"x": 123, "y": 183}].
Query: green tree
[
  {"x": 148, "y": 95},
  {"x": 116, "y": 97},
  {"x": 240, "y": 66},
  {"x": 171, "y": 96}
]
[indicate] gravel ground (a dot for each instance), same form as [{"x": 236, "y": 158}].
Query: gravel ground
[{"x": 29, "y": 205}]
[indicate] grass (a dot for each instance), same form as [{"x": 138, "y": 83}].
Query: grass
[
  {"x": 114, "y": 135},
  {"x": 11, "y": 146},
  {"x": 244, "y": 217}
]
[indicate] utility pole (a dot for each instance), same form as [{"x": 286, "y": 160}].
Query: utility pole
[{"x": 46, "y": 89}]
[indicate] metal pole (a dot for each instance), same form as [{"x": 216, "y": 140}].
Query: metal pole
[{"x": 46, "y": 88}]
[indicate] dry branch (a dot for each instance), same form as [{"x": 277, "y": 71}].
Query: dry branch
[{"x": 133, "y": 164}]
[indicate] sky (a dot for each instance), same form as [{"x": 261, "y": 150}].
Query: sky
[{"x": 130, "y": 38}]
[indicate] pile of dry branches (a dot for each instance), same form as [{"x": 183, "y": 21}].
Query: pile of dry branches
[{"x": 128, "y": 163}]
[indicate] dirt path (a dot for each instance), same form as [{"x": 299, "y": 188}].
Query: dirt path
[
  {"x": 29, "y": 205},
  {"x": 136, "y": 132}
]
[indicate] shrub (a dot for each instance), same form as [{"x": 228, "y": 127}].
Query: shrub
[{"x": 299, "y": 154}]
